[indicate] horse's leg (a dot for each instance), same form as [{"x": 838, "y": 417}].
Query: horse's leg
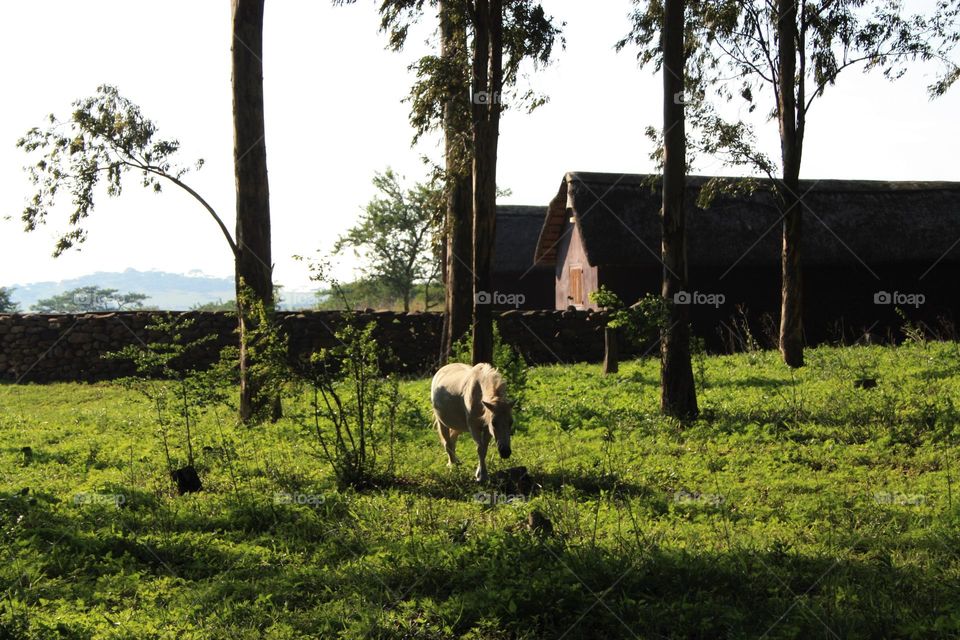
[
  {"x": 449, "y": 440},
  {"x": 482, "y": 443},
  {"x": 451, "y": 447}
]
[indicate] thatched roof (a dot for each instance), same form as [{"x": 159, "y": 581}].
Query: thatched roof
[
  {"x": 518, "y": 227},
  {"x": 846, "y": 222}
]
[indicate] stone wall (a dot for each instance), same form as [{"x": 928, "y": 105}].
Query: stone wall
[{"x": 49, "y": 348}]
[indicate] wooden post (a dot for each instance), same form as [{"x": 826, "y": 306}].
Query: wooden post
[{"x": 611, "y": 351}]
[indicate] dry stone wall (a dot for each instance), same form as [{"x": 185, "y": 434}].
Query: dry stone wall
[{"x": 49, "y": 348}]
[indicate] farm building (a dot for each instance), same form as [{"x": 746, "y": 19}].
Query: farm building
[
  {"x": 868, "y": 247},
  {"x": 515, "y": 276}
]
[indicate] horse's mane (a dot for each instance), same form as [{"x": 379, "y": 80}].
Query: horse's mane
[{"x": 491, "y": 382}]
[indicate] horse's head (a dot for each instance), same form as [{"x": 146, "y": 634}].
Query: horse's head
[{"x": 499, "y": 420}]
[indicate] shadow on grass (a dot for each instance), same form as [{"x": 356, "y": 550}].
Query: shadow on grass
[
  {"x": 547, "y": 590},
  {"x": 496, "y": 582},
  {"x": 460, "y": 485}
]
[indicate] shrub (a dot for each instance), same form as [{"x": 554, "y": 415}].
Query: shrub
[
  {"x": 353, "y": 407},
  {"x": 178, "y": 393}
]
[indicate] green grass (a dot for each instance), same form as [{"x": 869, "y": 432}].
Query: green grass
[{"x": 799, "y": 506}]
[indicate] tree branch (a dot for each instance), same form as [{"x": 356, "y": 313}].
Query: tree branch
[{"x": 197, "y": 196}]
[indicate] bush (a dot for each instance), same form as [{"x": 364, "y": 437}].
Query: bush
[
  {"x": 354, "y": 408},
  {"x": 640, "y": 322},
  {"x": 177, "y": 393}
]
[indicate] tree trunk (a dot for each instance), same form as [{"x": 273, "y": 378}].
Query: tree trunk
[
  {"x": 458, "y": 226},
  {"x": 487, "y": 84},
  {"x": 678, "y": 396},
  {"x": 611, "y": 351},
  {"x": 791, "y": 144},
  {"x": 253, "y": 266}
]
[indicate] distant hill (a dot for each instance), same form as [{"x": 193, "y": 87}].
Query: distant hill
[
  {"x": 174, "y": 291},
  {"x": 169, "y": 291}
]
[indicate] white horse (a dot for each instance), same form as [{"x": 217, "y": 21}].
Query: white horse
[{"x": 472, "y": 399}]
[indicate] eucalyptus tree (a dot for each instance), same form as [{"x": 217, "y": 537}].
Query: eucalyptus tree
[
  {"x": 105, "y": 139},
  {"x": 791, "y": 52},
  {"x": 462, "y": 91},
  {"x": 440, "y": 100},
  {"x": 253, "y": 250},
  {"x": 678, "y": 395},
  {"x": 453, "y": 79}
]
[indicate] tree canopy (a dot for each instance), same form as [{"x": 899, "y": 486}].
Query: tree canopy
[
  {"x": 7, "y": 305},
  {"x": 105, "y": 138},
  {"x": 90, "y": 299},
  {"x": 732, "y": 54},
  {"x": 395, "y": 235}
]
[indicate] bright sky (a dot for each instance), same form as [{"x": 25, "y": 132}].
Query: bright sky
[{"x": 334, "y": 117}]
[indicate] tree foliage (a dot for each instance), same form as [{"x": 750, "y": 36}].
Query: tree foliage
[
  {"x": 90, "y": 299},
  {"x": 732, "y": 54},
  {"x": 7, "y": 305},
  {"x": 178, "y": 392},
  {"x": 105, "y": 138},
  {"x": 394, "y": 235},
  {"x": 529, "y": 34},
  {"x": 739, "y": 50},
  {"x": 944, "y": 38},
  {"x": 373, "y": 294}
]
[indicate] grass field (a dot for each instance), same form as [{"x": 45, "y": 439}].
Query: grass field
[{"x": 798, "y": 506}]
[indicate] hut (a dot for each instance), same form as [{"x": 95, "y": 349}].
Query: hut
[
  {"x": 519, "y": 282},
  {"x": 868, "y": 248}
]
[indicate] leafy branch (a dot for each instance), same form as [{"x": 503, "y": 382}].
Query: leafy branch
[{"x": 105, "y": 138}]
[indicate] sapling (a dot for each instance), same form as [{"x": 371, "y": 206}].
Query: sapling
[{"x": 179, "y": 392}]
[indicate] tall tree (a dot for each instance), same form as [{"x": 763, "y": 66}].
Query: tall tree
[
  {"x": 791, "y": 149},
  {"x": 254, "y": 265},
  {"x": 678, "y": 396},
  {"x": 106, "y": 138},
  {"x": 458, "y": 225},
  {"x": 523, "y": 32},
  {"x": 487, "y": 84},
  {"x": 794, "y": 51}
]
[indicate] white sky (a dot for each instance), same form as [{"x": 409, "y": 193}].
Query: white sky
[{"x": 334, "y": 117}]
